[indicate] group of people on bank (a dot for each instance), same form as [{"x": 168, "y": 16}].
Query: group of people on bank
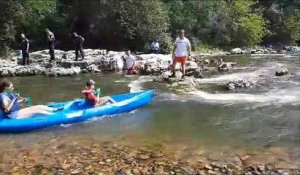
[
  {"x": 25, "y": 46},
  {"x": 180, "y": 53}
]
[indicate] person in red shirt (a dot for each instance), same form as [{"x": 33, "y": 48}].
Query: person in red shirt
[{"x": 91, "y": 97}]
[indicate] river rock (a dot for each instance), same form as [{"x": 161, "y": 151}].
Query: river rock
[
  {"x": 154, "y": 63},
  {"x": 166, "y": 74},
  {"x": 226, "y": 66},
  {"x": 237, "y": 51},
  {"x": 238, "y": 84},
  {"x": 263, "y": 50},
  {"x": 282, "y": 70},
  {"x": 59, "y": 71},
  {"x": 195, "y": 73}
]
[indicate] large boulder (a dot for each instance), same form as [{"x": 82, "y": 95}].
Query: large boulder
[
  {"x": 59, "y": 71},
  {"x": 154, "y": 63}
]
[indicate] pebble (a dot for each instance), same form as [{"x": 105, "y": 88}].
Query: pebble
[
  {"x": 208, "y": 167},
  {"x": 144, "y": 157},
  {"x": 108, "y": 160},
  {"x": 77, "y": 171}
]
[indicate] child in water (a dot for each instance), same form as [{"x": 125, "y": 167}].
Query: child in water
[{"x": 93, "y": 98}]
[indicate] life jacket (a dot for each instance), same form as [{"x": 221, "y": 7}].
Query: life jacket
[
  {"x": 90, "y": 96},
  {"x": 11, "y": 96}
]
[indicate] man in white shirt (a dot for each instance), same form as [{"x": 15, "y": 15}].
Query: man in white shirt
[
  {"x": 129, "y": 63},
  {"x": 181, "y": 52}
]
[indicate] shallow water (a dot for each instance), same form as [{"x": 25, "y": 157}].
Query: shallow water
[{"x": 256, "y": 118}]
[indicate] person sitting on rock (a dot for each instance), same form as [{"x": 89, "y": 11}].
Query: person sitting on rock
[
  {"x": 10, "y": 108},
  {"x": 94, "y": 98},
  {"x": 78, "y": 42},
  {"x": 130, "y": 63}
]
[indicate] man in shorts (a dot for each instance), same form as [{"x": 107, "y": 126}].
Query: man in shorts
[{"x": 181, "y": 52}]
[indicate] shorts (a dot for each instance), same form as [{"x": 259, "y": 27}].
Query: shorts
[
  {"x": 180, "y": 59},
  {"x": 13, "y": 115},
  {"x": 130, "y": 71}
]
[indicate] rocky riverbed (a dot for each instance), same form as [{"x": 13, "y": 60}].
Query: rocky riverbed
[{"x": 61, "y": 155}]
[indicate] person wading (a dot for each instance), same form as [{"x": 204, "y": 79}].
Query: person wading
[
  {"x": 25, "y": 49},
  {"x": 181, "y": 52},
  {"x": 78, "y": 42},
  {"x": 51, "y": 43},
  {"x": 130, "y": 63}
]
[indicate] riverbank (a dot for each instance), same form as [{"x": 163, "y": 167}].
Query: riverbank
[{"x": 98, "y": 60}]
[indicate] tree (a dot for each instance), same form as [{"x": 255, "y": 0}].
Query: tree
[
  {"x": 284, "y": 20},
  {"x": 26, "y": 16},
  {"x": 142, "y": 22},
  {"x": 249, "y": 27}
]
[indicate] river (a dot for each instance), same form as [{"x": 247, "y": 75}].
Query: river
[{"x": 207, "y": 117}]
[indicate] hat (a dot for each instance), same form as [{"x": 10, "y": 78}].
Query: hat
[{"x": 90, "y": 82}]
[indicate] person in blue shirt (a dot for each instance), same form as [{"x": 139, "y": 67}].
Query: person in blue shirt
[{"x": 10, "y": 108}]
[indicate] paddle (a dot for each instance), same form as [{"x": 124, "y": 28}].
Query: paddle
[{"x": 97, "y": 91}]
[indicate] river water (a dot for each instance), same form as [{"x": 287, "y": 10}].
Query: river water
[{"x": 207, "y": 116}]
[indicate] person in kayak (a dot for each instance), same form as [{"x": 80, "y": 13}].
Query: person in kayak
[
  {"x": 10, "y": 108},
  {"x": 93, "y": 98}
]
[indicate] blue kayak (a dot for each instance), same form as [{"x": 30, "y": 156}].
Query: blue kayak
[{"x": 77, "y": 111}]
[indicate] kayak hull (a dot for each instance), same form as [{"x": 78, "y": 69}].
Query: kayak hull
[{"x": 77, "y": 111}]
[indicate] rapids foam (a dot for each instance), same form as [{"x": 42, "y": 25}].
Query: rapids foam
[
  {"x": 282, "y": 96},
  {"x": 137, "y": 85}
]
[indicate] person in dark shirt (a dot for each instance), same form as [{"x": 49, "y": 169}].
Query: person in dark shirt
[
  {"x": 25, "y": 49},
  {"x": 78, "y": 42},
  {"x": 51, "y": 43}
]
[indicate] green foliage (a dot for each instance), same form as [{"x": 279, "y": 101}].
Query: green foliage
[
  {"x": 290, "y": 32},
  {"x": 248, "y": 25},
  {"x": 24, "y": 16},
  {"x": 283, "y": 17},
  {"x": 120, "y": 24}
]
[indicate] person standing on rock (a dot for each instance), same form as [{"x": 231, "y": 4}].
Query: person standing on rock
[
  {"x": 181, "y": 52},
  {"x": 51, "y": 43},
  {"x": 25, "y": 49},
  {"x": 78, "y": 42}
]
